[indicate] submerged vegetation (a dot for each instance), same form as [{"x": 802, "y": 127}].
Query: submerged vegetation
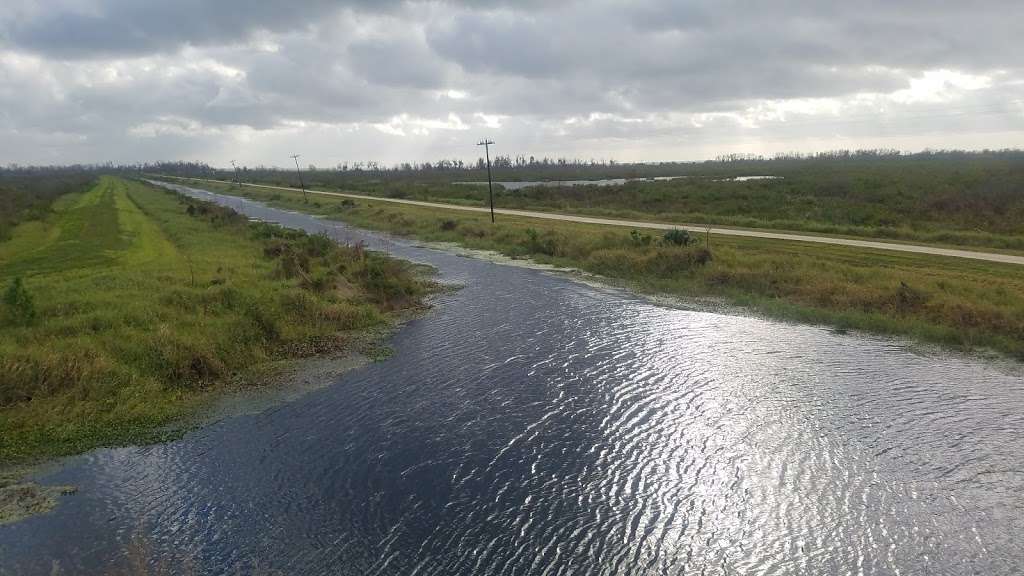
[
  {"x": 128, "y": 306},
  {"x": 951, "y": 301}
]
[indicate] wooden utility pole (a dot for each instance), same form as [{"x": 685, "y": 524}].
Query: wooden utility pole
[
  {"x": 490, "y": 185},
  {"x": 302, "y": 185}
]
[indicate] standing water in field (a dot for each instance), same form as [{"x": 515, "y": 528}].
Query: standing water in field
[
  {"x": 535, "y": 425},
  {"x": 513, "y": 186}
]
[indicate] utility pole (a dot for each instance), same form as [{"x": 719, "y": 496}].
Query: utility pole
[
  {"x": 299, "y": 172},
  {"x": 237, "y": 179},
  {"x": 490, "y": 186}
]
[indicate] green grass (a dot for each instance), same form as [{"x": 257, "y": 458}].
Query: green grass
[
  {"x": 146, "y": 304},
  {"x": 956, "y": 302},
  {"x": 27, "y": 193},
  {"x": 949, "y": 198}
]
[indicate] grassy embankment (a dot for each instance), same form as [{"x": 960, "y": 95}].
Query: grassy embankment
[
  {"x": 958, "y": 199},
  {"x": 138, "y": 305},
  {"x": 26, "y": 194},
  {"x": 956, "y": 302}
]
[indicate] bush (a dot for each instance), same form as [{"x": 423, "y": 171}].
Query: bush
[
  {"x": 613, "y": 262},
  {"x": 343, "y": 206},
  {"x": 264, "y": 321},
  {"x": 321, "y": 280},
  {"x": 666, "y": 262},
  {"x": 449, "y": 224},
  {"x": 677, "y": 237},
  {"x": 702, "y": 256},
  {"x": 909, "y": 298},
  {"x": 537, "y": 243},
  {"x": 475, "y": 230},
  {"x": 387, "y": 282},
  {"x": 640, "y": 239},
  {"x": 318, "y": 245},
  {"x": 20, "y": 306}
]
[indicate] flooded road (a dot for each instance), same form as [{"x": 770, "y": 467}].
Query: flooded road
[{"x": 535, "y": 425}]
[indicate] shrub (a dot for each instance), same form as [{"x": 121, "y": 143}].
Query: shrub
[
  {"x": 275, "y": 248},
  {"x": 318, "y": 245},
  {"x": 183, "y": 363},
  {"x": 475, "y": 230},
  {"x": 677, "y": 237},
  {"x": 449, "y": 224},
  {"x": 639, "y": 238},
  {"x": 702, "y": 256},
  {"x": 614, "y": 262},
  {"x": 214, "y": 213},
  {"x": 909, "y": 298},
  {"x": 262, "y": 230},
  {"x": 264, "y": 321},
  {"x": 664, "y": 263},
  {"x": 20, "y": 306},
  {"x": 292, "y": 264},
  {"x": 387, "y": 282},
  {"x": 537, "y": 243},
  {"x": 320, "y": 281},
  {"x": 344, "y": 205}
]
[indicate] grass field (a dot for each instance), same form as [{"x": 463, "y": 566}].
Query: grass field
[
  {"x": 129, "y": 306},
  {"x": 955, "y": 302},
  {"x": 27, "y": 193},
  {"x": 951, "y": 198}
]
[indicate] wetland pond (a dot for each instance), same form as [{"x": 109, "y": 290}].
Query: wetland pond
[{"x": 513, "y": 186}]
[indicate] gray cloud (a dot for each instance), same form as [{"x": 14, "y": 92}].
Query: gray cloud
[
  {"x": 138, "y": 79},
  {"x": 130, "y": 28}
]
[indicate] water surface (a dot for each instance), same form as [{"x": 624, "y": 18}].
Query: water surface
[
  {"x": 535, "y": 425},
  {"x": 513, "y": 186}
]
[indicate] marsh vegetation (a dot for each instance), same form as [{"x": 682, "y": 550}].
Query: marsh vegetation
[{"x": 127, "y": 306}]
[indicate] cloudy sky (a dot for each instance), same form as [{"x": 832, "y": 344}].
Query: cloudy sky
[{"x": 255, "y": 80}]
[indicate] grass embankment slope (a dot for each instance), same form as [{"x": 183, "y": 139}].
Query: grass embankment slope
[
  {"x": 951, "y": 301},
  {"x": 144, "y": 303},
  {"x": 26, "y": 194},
  {"x": 957, "y": 199}
]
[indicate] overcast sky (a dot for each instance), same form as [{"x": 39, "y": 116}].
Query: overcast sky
[{"x": 390, "y": 81}]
